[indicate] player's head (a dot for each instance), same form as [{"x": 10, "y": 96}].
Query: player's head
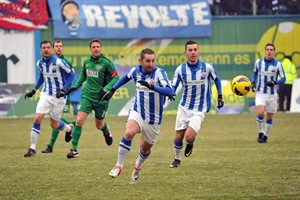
[
  {"x": 147, "y": 60},
  {"x": 95, "y": 47},
  {"x": 289, "y": 57},
  {"x": 191, "y": 51},
  {"x": 269, "y": 51},
  {"x": 58, "y": 47},
  {"x": 46, "y": 47}
]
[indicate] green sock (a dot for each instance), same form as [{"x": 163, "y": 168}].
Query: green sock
[
  {"x": 54, "y": 135},
  {"x": 75, "y": 136},
  {"x": 66, "y": 121},
  {"x": 105, "y": 128}
]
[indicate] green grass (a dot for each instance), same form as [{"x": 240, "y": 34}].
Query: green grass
[{"x": 227, "y": 163}]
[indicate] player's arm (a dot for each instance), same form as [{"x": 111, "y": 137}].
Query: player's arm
[
  {"x": 36, "y": 87},
  {"x": 114, "y": 77}
]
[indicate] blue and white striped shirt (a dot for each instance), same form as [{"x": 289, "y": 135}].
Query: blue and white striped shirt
[
  {"x": 149, "y": 103},
  {"x": 55, "y": 75},
  {"x": 267, "y": 70},
  {"x": 195, "y": 80}
]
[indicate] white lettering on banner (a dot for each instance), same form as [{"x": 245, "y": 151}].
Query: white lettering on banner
[
  {"x": 131, "y": 14},
  {"x": 107, "y": 16},
  {"x": 199, "y": 12}
]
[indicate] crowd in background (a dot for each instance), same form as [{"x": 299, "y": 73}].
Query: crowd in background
[{"x": 254, "y": 7}]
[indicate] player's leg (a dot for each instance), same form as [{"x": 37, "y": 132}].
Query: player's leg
[
  {"x": 34, "y": 134},
  {"x": 100, "y": 112},
  {"x": 260, "y": 103},
  {"x": 84, "y": 110},
  {"x": 132, "y": 128}
]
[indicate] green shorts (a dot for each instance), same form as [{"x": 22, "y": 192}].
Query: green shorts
[{"x": 88, "y": 106}]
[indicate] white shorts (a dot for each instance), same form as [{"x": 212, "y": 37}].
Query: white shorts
[
  {"x": 189, "y": 118},
  {"x": 51, "y": 105},
  {"x": 150, "y": 132},
  {"x": 267, "y": 100}
]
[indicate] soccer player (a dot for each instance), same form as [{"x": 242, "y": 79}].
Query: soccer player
[
  {"x": 145, "y": 115},
  {"x": 264, "y": 79},
  {"x": 100, "y": 75},
  {"x": 58, "y": 49},
  {"x": 56, "y": 77},
  {"x": 195, "y": 76}
]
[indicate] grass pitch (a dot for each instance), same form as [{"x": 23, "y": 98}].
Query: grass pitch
[{"x": 227, "y": 163}]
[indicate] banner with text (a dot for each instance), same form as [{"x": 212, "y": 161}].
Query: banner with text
[{"x": 131, "y": 19}]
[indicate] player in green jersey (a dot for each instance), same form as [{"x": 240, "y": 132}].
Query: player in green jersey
[
  {"x": 99, "y": 75},
  {"x": 58, "y": 51}
]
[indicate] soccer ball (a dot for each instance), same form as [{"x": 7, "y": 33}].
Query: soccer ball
[{"x": 240, "y": 85}]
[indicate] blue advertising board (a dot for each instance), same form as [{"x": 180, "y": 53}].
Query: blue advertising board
[{"x": 112, "y": 19}]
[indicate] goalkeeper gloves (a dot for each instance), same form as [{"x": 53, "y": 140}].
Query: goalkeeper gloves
[
  {"x": 253, "y": 86},
  {"x": 106, "y": 95},
  {"x": 271, "y": 83},
  {"x": 30, "y": 94},
  {"x": 220, "y": 101},
  {"x": 61, "y": 93},
  {"x": 146, "y": 84},
  {"x": 72, "y": 89}
]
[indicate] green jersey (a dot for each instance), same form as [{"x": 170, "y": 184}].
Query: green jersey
[{"x": 99, "y": 74}]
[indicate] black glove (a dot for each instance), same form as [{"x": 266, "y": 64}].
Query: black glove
[
  {"x": 172, "y": 98},
  {"x": 61, "y": 93},
  {"x": 72, "y": 89},
  {"x": 271, "y": 83},
  {"x": 253, "y": 86},
  {"x": 146, "y": 84},
  {"x": 106, "y": 95},
  {"x": 30, "y": 94},
  {"x": 220, "y": 101}
]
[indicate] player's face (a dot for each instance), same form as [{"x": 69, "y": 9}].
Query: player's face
[
  {"x": 269, "y": 52},
  {"x": 58, "y": 48},
  {"x": 46, "y": 50},
  {"x": 192, "y": 53},
  {"x": 96, "y": 49},
  {"x": 148, "y": 62}
]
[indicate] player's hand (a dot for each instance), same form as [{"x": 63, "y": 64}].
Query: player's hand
[
  {"x": 220, "y": 101},
  {"x": 61, "y": 93},
  {"x": 271, "y": 83},
  {"x": 146, "y": 84},
  {"x": 172, "y": 98},
  {"x": 106, "y": 95},
  {"x": 30, "y": 94},
  {"x": 253, "y": 86},
  {"x": 70, "y": 90}
]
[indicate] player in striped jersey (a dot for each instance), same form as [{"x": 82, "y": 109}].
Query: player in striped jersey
[
  {"x": 264, "y": 79},
  {"x": 195, "y": 76},
  {"x": 145, "y": 115},
  {"x": 56, "y": 77}
]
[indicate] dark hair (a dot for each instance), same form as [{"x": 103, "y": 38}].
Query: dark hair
[
  {"x": 289, "y": 57},
  {"x": 146, "y": 51},
  {"x": 57, "y": 41},
  {"x": 45, "y": 42},
  {"x": 189, "y": 43},
  {"x": 270, "y": 44},
  {"x": 95, "y": 40}
]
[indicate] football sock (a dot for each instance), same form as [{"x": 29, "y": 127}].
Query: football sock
[
  {"x": 141, "y": 159},
  {"x": 269, "y": 124},
  {"x": 124, "y": 149},
  {"x": 63, "y": 126},
  {"x": 177, "y": 149},
  {"x": 66, "y": 121},
  {"x": 75, "y": 136},
  {"x": 105, "y": 128},
  {"x": 260, "y": 124},
  {"x": 34, "y": 134},
  {"x": 54, "y": 135}
]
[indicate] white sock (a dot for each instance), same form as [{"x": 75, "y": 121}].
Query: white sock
[{"x": 33, "y": 139}]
